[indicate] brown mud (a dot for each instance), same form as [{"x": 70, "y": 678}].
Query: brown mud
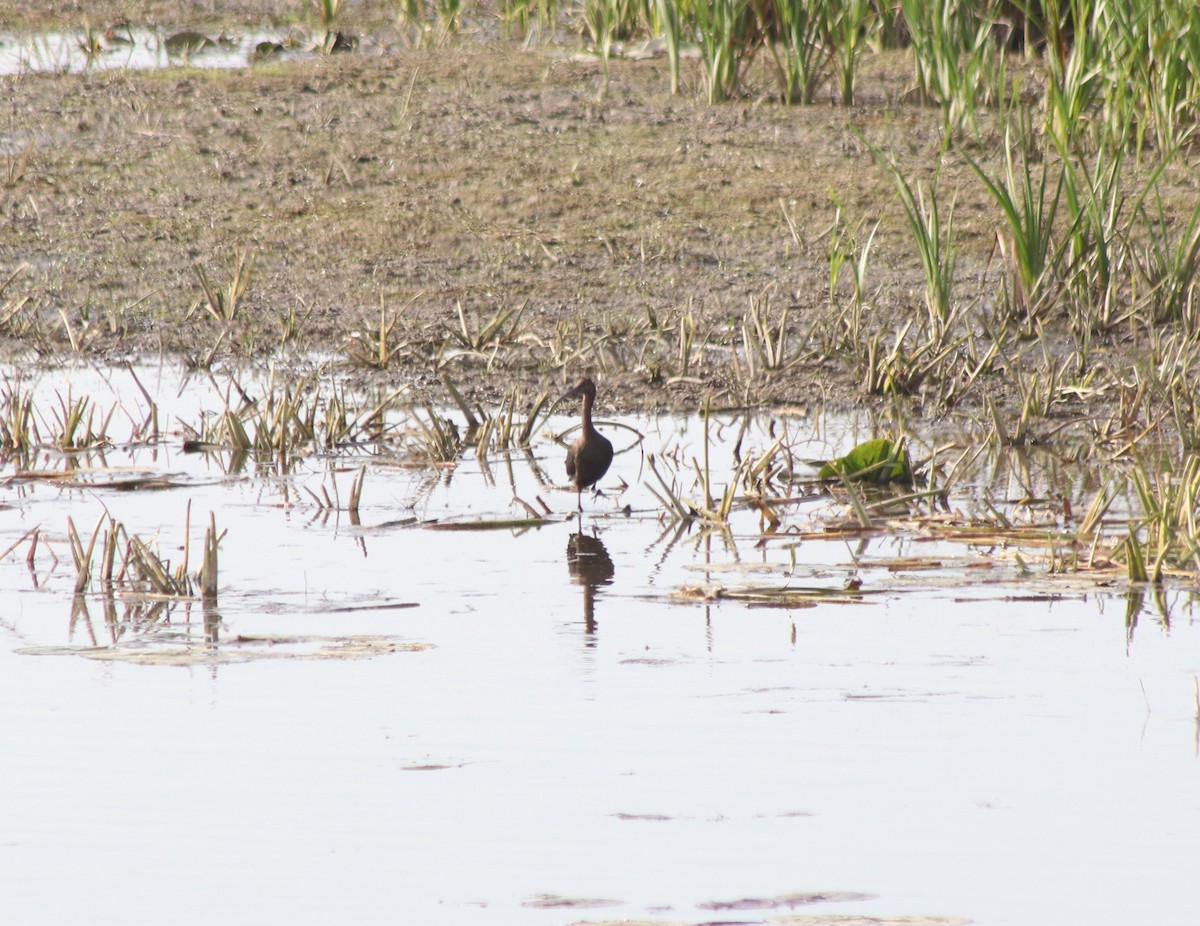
[{"x": 474, "y": 178}]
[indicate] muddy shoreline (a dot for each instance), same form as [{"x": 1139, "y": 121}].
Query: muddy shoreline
[{"x": 433, "y": 193}]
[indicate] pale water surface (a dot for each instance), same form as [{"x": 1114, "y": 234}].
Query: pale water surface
[
  {"x": 952, "y": 749},
  {"x": 136, "y": 48}
]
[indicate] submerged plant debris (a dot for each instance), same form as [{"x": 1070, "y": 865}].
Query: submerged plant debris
[{"x": 239, "y": 649}]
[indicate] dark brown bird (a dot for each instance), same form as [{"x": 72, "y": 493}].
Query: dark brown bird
[{"x": 589, "y": 457}]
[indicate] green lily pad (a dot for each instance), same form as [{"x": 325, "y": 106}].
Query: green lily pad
[{"x": 878, "y": 460}]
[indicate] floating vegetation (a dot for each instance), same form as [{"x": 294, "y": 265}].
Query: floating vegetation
[
  {"x": 239, "y": 649},
  {"x": 789, "y": 901},
  {"x": 497, "y": 524},
  {"x": 878, "y": 461},
  {"x": 775, "y": 596}
]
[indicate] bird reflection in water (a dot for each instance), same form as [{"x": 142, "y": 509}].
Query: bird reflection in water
[{"x": 590, "y": 566}]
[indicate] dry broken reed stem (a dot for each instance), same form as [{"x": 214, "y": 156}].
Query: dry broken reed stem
[
  {"x": 140, "y": 564},
  {"x": 32, "y": 536},
  {"x": 356, "y": 488},
  {"x": 82, "y": 558},
  {"x": 182, "y": 570},
  {"x": 208, "y": 570},
  {"x": 472, "y": 421},
  {"x": 323, "y": 501}
]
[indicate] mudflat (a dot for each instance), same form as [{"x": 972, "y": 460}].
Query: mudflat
[{"x": 498, "y": 212}]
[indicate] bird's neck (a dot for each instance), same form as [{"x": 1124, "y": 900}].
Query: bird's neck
[{"x": 587, "y": 411}]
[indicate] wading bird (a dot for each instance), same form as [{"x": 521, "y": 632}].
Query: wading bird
[{"x": 588, "y": 458}]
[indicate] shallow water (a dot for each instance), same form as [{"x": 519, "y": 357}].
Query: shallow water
[
  {"x": 133, "y": 48},
  {"x": 574, "y": 743}
]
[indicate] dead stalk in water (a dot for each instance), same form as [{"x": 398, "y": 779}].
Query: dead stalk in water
[
  {"x": 356, "y": 488},
  {"x": 32, "y": 536},
  {"x": 208, "y": 571},
  {"x": 82, "y": 558}
]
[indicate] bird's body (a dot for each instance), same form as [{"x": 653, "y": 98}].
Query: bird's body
[{"x": 589, "y": 457}]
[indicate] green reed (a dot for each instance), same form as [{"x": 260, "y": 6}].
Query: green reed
[{"x": 1029, "y": 205}]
